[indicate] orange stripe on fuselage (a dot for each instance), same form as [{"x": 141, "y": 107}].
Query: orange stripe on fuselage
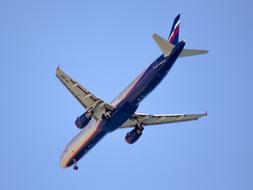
[{"x": 84, "y": 144}]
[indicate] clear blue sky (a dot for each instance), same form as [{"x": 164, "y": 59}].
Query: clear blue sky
[{"x": 104, "y": 45}]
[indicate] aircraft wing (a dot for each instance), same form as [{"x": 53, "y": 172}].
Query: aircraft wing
[
  {"x": 86, "y": 98},
  {"x": 146, "y": 119}
]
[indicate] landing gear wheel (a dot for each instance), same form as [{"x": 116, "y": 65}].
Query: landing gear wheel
[
  {"x": 139, "y": 128},
  {"x": 75, "y": 167},
  {"x": 106, "y": 115}
]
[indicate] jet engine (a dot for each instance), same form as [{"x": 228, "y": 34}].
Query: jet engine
[
  {"x": 83, "y": 120},
  {"x": 134, "y": 135}
]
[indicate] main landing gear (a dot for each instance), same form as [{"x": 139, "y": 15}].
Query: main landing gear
[
  {"x": 75, "y": 167},
  {"x": 139, "y": 128},
  {"x": 106, "y": 115}
]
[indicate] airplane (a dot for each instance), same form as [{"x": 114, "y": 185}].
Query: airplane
[{"x": 101, "y": 118}]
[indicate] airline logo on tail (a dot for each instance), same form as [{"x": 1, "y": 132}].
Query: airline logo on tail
[{"x": 174, "y": 32}]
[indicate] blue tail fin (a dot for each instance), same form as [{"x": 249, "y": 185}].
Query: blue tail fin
[{"x": 174, "y": 32}]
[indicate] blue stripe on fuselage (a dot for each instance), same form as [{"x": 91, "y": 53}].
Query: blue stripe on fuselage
[{"x": 153, "y": 75}]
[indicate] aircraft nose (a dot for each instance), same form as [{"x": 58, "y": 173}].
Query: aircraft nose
[{"x": 63, "y": 163}]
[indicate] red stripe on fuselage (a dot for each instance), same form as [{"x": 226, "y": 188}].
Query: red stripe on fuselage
[{"x": 85, "y": 143}]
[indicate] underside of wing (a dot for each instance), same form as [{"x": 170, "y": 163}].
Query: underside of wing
[
  {"x": 146, "y": 119},
  {"x": 85, "y": 97}
]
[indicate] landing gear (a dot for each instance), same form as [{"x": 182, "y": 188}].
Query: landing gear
[
  {"x": 139, "y": 128},
  {"x": 75, "y": 167},
  {"x": 106, "y": 115}
]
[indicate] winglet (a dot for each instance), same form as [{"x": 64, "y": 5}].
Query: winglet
[{"x": 206, "y": 113}]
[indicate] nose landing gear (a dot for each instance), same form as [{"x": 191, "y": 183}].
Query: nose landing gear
[{"x": 75, "y": 167}]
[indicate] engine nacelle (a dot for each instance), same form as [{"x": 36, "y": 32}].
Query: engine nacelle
[
  {"x": 83, "y": 120},
  {"x": 134, "y": 135}
]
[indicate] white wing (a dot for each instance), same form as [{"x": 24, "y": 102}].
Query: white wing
[
  {"x": 146, "y": 119},
  {"x": 86, "y": 98}
]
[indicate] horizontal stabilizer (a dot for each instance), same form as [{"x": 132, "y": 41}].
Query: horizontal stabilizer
[
  {"x": 192, "y": 52},
  {"x": 165, "y": 46}
]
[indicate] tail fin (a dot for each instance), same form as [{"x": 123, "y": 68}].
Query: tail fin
[
  {"x": 174, "y": 32},
  {"x": 166, "y": 46}
]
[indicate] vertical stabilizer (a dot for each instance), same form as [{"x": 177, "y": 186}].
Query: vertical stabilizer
[{"x": 174, "y": 32}]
